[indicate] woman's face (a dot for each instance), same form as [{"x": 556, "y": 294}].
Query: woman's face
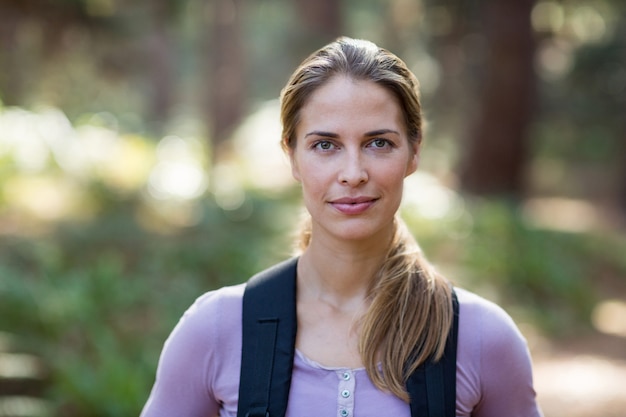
[{"x": 351, "y": 156}]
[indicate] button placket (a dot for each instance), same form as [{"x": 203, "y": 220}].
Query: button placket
[{"x": 345, "y": 394}]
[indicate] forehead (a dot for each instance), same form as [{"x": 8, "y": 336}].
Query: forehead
[{"x": 344, "y": 101}]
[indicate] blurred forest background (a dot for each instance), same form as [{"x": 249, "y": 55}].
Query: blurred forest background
[{"x": 140, "y": 167}]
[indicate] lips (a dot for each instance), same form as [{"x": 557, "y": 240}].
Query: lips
[{"x": 353, "y": 205}]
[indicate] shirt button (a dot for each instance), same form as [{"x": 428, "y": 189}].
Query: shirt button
[
  {"x": 346, "y": 376},
  {"x": 345, "y": 393},
  {"x": 344, "y": 413}
]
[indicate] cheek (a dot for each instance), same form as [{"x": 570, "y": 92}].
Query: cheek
[
  {"x": 313, "y": 184},
  {"x": 309, "y": 175},
  {"x": 413, "y": 164},
  {"x": 394, "y": 176},
  {"x": 414, "y": 158},
  {"x": 295, "y": 172}
]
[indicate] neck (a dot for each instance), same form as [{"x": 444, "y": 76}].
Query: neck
[{"x": 340, "y": 273}]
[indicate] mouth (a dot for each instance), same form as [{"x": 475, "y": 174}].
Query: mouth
[{"x": 353, "y": 205}]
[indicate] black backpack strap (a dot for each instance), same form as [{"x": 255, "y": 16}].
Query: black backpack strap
[
  {"x": 268, "y": 346},
  {"x": 432, "y": 387},
  {"x": 268, "y": 341}
]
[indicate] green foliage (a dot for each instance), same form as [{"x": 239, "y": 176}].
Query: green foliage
[
  {"x": 553, "y": 279},
  {"x": 96, "y": 301},
  {"x": 86, "y": 323},
  {"x": 539, "y": 270}
]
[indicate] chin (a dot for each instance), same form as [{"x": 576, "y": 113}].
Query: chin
[{"x": 356, "y": 231}]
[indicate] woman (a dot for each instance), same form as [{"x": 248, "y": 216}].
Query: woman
[{"x": 365, "y": 297}]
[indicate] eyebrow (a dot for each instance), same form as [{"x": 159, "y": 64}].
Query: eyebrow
[
  {"x": 322, "y": 133},
  {"x": 334, "y": 135},
  {"x": 381, "y": 132}
]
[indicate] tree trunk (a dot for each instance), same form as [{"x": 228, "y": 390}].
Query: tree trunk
[
  {"x": 621, "y": 181},
  {"x": 321, "y": 17},
  {"x": 227, "y": 67},
  {"x": 622, "y": 174},
  {"x": 497, "y": 147},
  {"x": 320, "y": 22},
  {"x": 162, "y": 66},
  {"x": 11, "y": 81}
]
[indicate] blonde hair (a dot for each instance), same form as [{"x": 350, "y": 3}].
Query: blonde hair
[
  {"x": 410, "y": 310},
  {"x": 358, "y": 59},
  {"x": 409, "y": 317}
]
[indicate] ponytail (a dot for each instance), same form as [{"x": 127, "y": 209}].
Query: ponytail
[{"x": 409, "y": 316}]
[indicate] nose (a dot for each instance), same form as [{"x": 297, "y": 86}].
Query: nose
[{"x": 353, "y": 171}]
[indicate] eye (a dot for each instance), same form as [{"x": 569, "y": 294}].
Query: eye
[
  {"x": 380, "y": 143},
  {"x": 323, "y": 145}
]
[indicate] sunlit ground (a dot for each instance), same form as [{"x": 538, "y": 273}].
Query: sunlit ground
[
  {"x": 580, "y": 385},
  {"x": 576, "y": 379},
  {"x": 584, "y": 376}
]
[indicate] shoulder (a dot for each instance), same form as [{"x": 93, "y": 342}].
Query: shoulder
[
  {"x": 223, "y": 300},
  {"x": 199, "y": 356},
  {"x": 475, "y": 303},
  {"x": 223, "y": 307},
  {"x": 484, "y": 318},
  {"x": 213, "y": 317},
  {"x": 486, "y": 330},
  {"x": 494, "y": 371}
]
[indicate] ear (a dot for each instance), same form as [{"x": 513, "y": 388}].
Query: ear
[
  {"x": 414, "y": 158},
  {"x": 295, "y": 171}
]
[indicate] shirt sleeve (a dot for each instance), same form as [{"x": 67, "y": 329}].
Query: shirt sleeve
[
  {"x": 506, "y": 381},
  {"x": 181, "y": 388}
]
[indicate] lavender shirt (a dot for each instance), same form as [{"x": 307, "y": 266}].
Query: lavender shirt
[{"x": 198, "y": 372}]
